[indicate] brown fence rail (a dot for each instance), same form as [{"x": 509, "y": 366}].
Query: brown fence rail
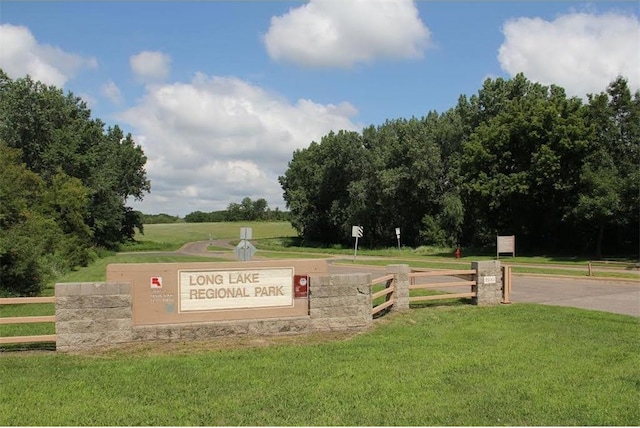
[
  {"x": 387, "y": 291},
  {"x": 27, "y": 320},
  {"x": 457, "y": 273}
]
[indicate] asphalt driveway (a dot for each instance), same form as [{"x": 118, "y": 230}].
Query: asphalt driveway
[{"x": 620, "y": 297}]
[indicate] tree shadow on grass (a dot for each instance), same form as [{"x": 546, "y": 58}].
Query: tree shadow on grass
[
  {"x": 441, "y": 302},
  {"x": 23, "y": 347}
]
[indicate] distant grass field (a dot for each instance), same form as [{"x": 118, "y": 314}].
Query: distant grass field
[
  {"x": 173, "y": 236},
  {"x": 516, "y": 365}
]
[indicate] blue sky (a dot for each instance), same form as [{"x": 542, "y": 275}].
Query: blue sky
[{"x": 219, "y": 94}]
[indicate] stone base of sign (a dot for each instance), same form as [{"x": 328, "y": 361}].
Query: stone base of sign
[
  {"x": 212, "y": 330},
  {"x": 340, "y": 302},
  {"x": 93, "y": 315}
]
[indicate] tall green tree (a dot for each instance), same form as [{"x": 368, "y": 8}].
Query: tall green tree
[
  {"x": 316, "y": 186},
  {"x": 406, "y": 180},
  {"x": 520, "y": 162},
  {"x": 55, "y": 132},
  {"x": 28, "y": 235},
  {"x": 66, "y": 202},
  {"x": 609, "y": 184},
  {"x": 76, "y": 179}
]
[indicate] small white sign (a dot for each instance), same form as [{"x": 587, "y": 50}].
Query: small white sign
[
  {"x": 246, "y": 232},
  {"x": 357, "y": 231},
  {"x": 397, "y": 231},
  {"x": 490, "y": 279}
]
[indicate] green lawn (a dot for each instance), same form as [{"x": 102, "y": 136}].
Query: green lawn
[{"x": 463, "y": 365}]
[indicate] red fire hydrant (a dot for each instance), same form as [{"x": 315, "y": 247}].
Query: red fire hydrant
[{"x": 458, "y": 252}]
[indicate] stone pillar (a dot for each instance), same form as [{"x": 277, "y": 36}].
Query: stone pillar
[
  {"x": 401, "y": 279},
  {"x": 92, "y": 315},
  {"x": 489, "y": 282},
  {"x": 340, "y": 302}
]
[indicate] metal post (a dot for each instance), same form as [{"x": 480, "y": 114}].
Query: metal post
[{"x": 355, "y": 250}]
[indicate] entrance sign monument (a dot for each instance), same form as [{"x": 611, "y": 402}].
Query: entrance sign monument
[
  {"x": 172, "y": 293},
  {"x": 169, "y": 302}
]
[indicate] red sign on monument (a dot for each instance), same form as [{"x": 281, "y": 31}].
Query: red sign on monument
[{"x": 301, "y": 285}]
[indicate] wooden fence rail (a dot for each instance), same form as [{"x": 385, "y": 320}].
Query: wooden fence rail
[
  {"x": 457, "y": 273},
  {"x": 27, "y": 320},
  {"x": 387, "y": 291}
]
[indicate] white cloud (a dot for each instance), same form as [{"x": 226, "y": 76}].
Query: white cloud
[
  {"x": 150, "y": 66},
  {"x": 330, "y": 33},
  {"x": 21, "y": 54},
  {"x": 216, "y": 140},
  {"x": 581, "y": 52},
  {"x": 112, "y": 92}
]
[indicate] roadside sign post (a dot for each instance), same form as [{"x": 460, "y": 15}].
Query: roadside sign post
[
  {"x": 245, "y": 250},
  {"x": 356, "y": 232},
  {"x": 246, "y": 232},
  {"x": 398, "y": 236},
  {"x": 506, "y": 244}
]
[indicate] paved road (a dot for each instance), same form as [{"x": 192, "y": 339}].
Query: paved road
[
  {"x": 602, "y": 295},
  {"x": 621, "y": 297}
]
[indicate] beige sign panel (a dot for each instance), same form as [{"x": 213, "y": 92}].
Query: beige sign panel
[
  {"x": 506, "y": 244},
  {"x": 170, "y": 293},
  {"x": 235, "y": 289}
]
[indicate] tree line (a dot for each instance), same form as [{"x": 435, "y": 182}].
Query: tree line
[
  {"x": 517, "y": 158},
  {"x": 246, "y": 210},
  {"x": 64, "y": 183}
]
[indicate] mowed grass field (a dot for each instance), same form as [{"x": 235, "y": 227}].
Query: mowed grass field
[
  {"x": 174, "y": 235},
  {"x": 449, "y": 364}
]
